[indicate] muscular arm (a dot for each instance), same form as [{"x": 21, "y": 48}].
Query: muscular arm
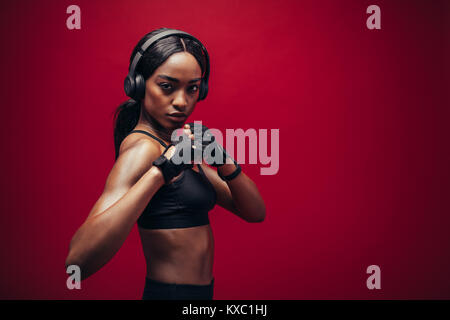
[
  {"x": 239, "y": 196},
  {"x": 131, "y": 184}
]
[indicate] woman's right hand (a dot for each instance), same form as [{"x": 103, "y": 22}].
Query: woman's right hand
[
  {"x": 176, "y": 148},
  {"x": 173, "y": 161}
]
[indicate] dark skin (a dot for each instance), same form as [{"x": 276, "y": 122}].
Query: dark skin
[{"x": 183, "y": 255}]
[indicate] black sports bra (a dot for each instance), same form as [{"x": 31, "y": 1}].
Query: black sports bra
[{"x": 183, "y": 203}]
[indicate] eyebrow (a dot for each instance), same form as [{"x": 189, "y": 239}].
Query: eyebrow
[{"x": 175, "y": 79}]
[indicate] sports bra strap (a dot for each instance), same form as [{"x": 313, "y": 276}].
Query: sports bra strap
[
  {"x": 151, "y": 135},
  {"x": 201, "y": 171}
]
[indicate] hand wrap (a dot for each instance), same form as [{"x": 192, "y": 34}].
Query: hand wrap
[
  {"x": 172, "y": 167},
  {"x": 212, "y": 152}
]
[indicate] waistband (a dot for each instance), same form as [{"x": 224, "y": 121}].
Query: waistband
[
  {"x": 152, "y": 282},
  {"x": 157, "y": 290}
]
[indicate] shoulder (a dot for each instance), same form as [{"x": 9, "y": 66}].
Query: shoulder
[
  {"x": 136, "y": 156},
  {"x": 138, "y": 142},
  {"x": 138, "y": 148}
]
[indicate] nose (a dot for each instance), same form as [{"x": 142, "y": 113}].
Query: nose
[{"x": 180, "y": 101}]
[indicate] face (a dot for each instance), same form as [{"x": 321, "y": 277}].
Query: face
[{"x": 172, "y": 91}]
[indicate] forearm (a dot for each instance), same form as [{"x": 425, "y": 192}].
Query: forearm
[
  {"x": 246, "y": 197},
  {"x": 102, "y": 235}
]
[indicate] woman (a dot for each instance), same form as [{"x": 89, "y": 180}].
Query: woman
[{"x": 169, "y": 201}]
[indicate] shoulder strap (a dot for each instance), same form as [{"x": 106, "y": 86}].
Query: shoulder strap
[
  {"x": 151, "y": 135},
  {"x": 201, "y": 170}
]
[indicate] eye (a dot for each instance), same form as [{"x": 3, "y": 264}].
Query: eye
[
  {"x": 165, "y": 86},
  {"x": 194, "y": 88}
]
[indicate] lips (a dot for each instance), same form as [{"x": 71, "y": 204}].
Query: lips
[{"x": 177, "y": 116}]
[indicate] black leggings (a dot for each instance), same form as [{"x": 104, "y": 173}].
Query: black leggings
[{"x": 156, "y": 290}]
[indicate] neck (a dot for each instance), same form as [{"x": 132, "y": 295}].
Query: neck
[{"x": 149, "y": 123}]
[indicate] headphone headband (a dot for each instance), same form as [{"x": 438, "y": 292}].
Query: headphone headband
[{"x": 160, "y": 36}]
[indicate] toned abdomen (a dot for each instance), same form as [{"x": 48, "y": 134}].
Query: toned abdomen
[{"x": 182, "y": 256}]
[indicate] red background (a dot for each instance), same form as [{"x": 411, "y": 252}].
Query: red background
[{"x": 364, "y": 154}]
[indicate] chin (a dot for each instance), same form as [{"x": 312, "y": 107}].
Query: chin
[
  {"x": 173, "y": 126},
  {"x": 178, "y": 125}
]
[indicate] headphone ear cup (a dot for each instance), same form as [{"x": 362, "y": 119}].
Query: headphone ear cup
[
  {"x": 203, "y": 90},
  {"x": 129, "y": 86},
  {"x": 140, "y": 87}
]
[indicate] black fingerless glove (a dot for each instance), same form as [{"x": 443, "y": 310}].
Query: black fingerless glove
[
  {"x": 213, "y": 153},
  {"x": 172, "y": 167}
]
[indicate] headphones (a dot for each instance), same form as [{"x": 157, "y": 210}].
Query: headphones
[{"x": 134, "y": 83}]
